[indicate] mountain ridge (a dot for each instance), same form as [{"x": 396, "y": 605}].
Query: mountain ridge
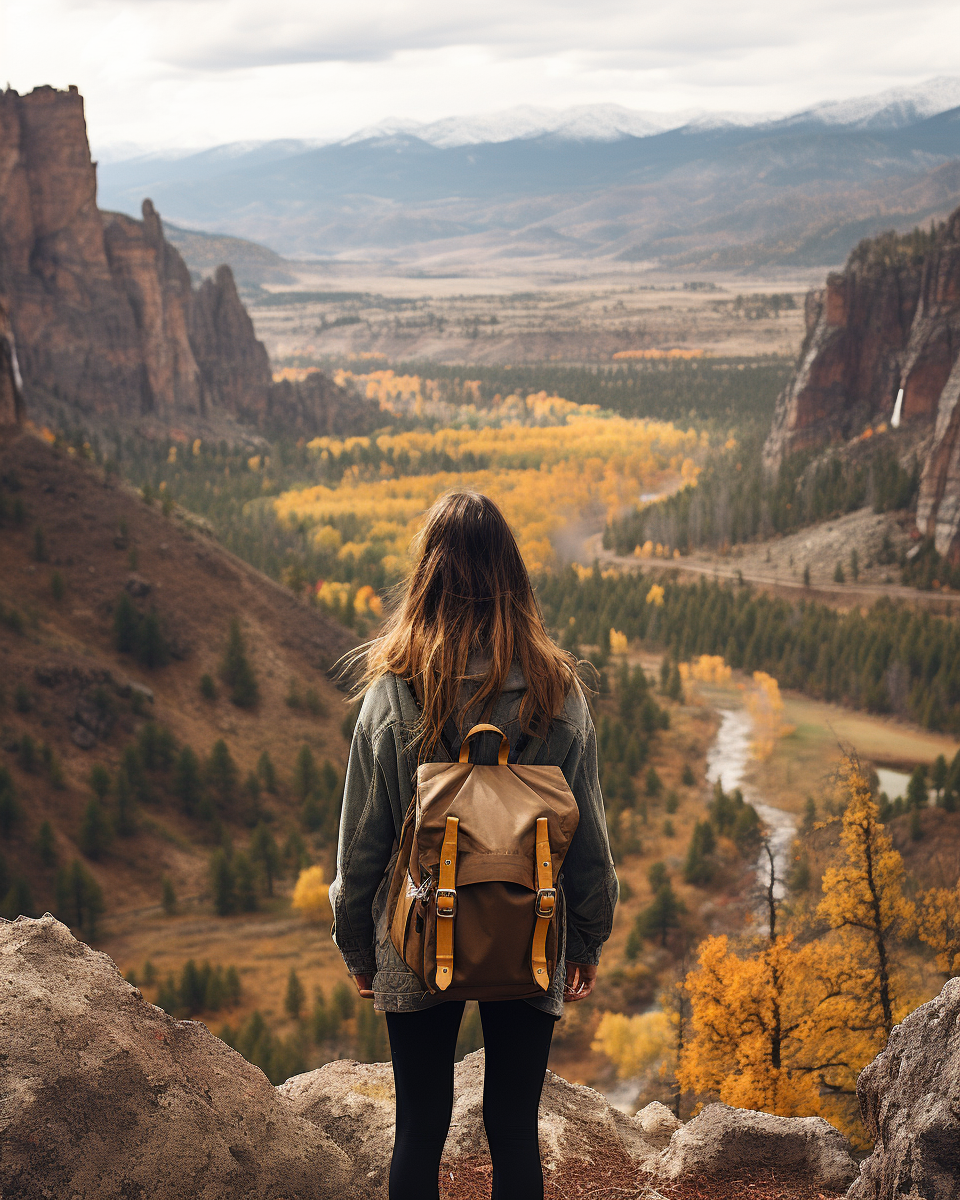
[{"x": 683, "y": 198}]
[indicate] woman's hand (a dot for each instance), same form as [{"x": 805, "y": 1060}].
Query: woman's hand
[
  {"x": 364, "y": 985},
  {"x": 580, "y": 980}
]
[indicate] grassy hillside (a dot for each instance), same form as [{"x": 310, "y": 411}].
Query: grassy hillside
[{"x": 89, "y": 566}]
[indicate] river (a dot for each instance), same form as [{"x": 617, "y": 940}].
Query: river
[{"x": 727, "y": 761}]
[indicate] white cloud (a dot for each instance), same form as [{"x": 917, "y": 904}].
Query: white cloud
[{"x": 196, "y": 72}]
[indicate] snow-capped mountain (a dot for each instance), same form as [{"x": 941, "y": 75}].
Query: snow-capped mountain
[
  {"x": 891, "y": 109},
  {"x": 583, "y": 123}
]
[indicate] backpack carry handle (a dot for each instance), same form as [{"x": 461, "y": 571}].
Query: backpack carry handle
[{"x": 504, "y": 744}]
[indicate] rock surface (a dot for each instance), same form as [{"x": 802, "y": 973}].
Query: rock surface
[
  {"x": 353, "y": 1103},
  {"x": 722, "y": 1141},
  {"x": 910, "y": 1103},
  {"x": 890, "y": 320},
  {"x": 106, "y": 1096}
]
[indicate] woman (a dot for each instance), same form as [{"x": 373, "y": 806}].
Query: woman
[{"x": 466, "y": 644}]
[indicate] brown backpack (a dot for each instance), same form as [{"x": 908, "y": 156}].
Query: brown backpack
[{"x": 473, "y": 902}]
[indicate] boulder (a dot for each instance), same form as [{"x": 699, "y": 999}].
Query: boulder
[
  {"x": 723, "y": 1141},
  {"x": 354, "y": 1104},
  {"x": 910, "y": 1103},
  {"x": 106, "y": 1096},
  {"x": 658, "y": 1124}
]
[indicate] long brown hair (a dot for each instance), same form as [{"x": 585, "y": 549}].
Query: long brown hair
[{"x": 469, "y": 593}]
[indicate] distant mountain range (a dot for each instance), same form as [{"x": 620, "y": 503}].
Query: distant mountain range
[{"x": 687, "y": 190}]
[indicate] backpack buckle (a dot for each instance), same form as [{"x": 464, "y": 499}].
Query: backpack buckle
[
  {"x": 449, "y": 898},
  {"x": 546, "y": 902}
]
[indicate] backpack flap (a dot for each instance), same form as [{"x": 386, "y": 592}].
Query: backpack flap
[{"x": 476, "y": 915}]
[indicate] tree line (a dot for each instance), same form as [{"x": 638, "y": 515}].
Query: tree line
[{"x": 891, "y": 658}]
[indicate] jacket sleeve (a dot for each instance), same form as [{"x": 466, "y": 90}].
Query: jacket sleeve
[
  {"x": 590, "y": 884},
  {"x": 367, "y": 833}
]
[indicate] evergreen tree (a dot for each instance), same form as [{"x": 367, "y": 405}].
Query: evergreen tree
[
  {"x": 662, "y": 915},
  {"x": 17, "y": 900},
  {"x": 187, "y": 782},
  {"x": 295, "y": 996},
  {"x": 95, "y": 831},
  {"x": 9, "y": 807},
  {"x": 126, "y": 624},
  {"x": 79, "y": 899},
  {"x": 246, "y": 883},
  {"x": 267, "y": 772},
  {"x": 306, "y": 778},
  {"x": 100, "y": 781},
  {"x": 917, "y": 788},
  {"x": 264, "y": 852},
  {"x": 698, "y": 867},
  {"x": 688, "y": 779},
  {"x": 221, "y": 775},
  {"x": 169, "y": 897},
  {"x": 125, "y": 822},
  {"x": 223, "y": 882},
  {"x": 46, "y": 845},
  {"x": 236, "y": 670}
]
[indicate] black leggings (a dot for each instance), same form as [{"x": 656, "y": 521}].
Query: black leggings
[{"x": 516, "y": 1040}]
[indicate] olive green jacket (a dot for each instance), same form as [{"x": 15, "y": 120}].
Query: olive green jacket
[{"x": 379, "y": 787}]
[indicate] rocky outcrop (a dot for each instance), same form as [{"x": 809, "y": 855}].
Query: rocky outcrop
[
  {"x": 910, "y": 1103},
  {"x": 353, "y": 1103},
  {"x": 105, "y": 1096},
  {"x": 318, "y": 407},
  {"x": 234, "y": 367},
  {"x": 721, "y": 1142},
  {"x": 101, "y": 310},
  {"x": 890, "y": 320}
]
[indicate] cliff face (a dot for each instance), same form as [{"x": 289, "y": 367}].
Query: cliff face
[
  {"x": 100, "y": 305},
  {"x": 891, "y": 320}
]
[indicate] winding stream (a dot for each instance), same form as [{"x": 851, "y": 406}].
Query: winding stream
[{"x": 727, "y": 761}]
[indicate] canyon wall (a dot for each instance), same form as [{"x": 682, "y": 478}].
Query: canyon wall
[
  {"x": 98, "y": 309},
  {"x": 890, "y": 320}
]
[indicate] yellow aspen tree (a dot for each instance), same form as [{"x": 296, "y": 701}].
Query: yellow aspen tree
[
  {"x": 939, "y": 927},
  {"x": 747, "y": 1014},
  {"x": 864, "y": 901}
]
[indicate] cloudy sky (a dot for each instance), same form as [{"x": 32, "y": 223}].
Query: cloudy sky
[{"x": 179, "y": 73}]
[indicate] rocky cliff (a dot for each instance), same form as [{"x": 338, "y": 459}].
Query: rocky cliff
[
  {"x": 105, "y": 1096},
  {"x": 890, "y": 320},
  {"x": 100, "y": 308}
]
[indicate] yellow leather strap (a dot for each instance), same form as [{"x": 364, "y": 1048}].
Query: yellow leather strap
[
  {"x": 545, "y": 904},
  {"x": 447, "y": 903},
  {"x": 504, "y": 744}
]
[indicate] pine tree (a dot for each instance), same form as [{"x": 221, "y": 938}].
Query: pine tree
[
  {"x": 187, "y": 782},
  {"x": 126, "y": 624},
  {"x": 294, "y": 997},
  {"x": 99, "y": 779},
  {"x": 221, "y": 775},
  {"x": 917, "y": 788},
  {"x": 9, "y": 807},
  {"x": 79, "y": 898},
  {"x": 698, "y": 867},
  {"x": 125, "y": 822},
  {"x": 264, "y": 852},
  {"x": 246, "y": 883},
  {"x": 223, "y": 883},
  {"x": 267, "y": 772},
  {"x": 306, "y": 778},
  {"x": 169, "y": 897},
  {"x": 46, "y": 845},
  {"x": 236, "y": 670},
  {"x": 95, "y": 831}
]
